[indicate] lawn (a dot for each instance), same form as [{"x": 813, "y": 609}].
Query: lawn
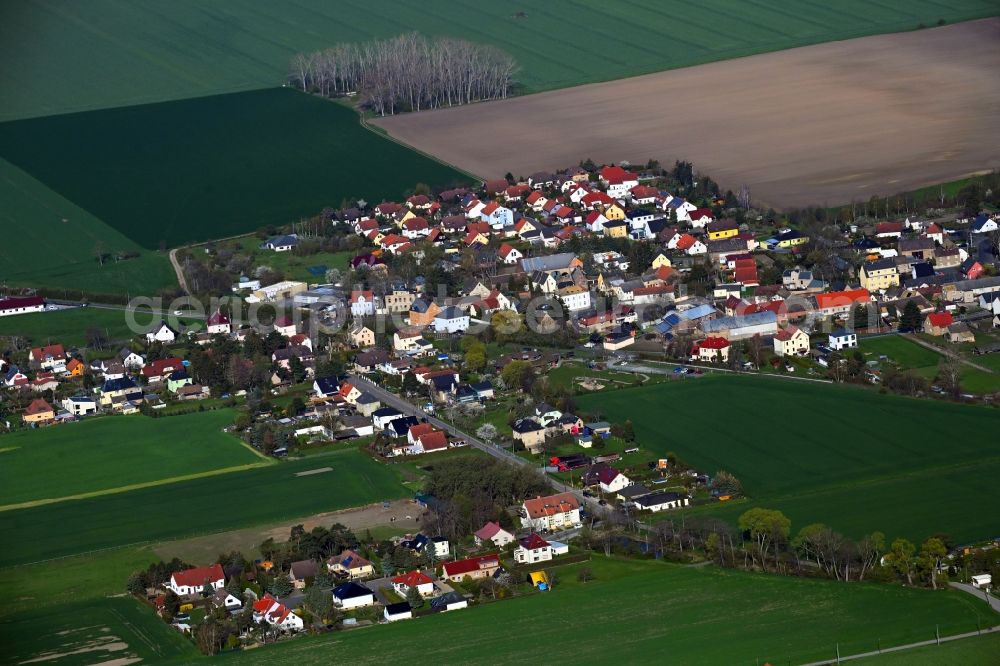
[
  {"x": 91, "y": 54},
  {"x": 198, "y": 506},
  {"x": 102, "y": 454},
  {"x": 967, "y": 652},
  {"x": 216, "y": 166},
  {"x": 113, "y": 630},
  {"x": 656, "y": 611},
  {"x": 55, "y": 242},
  {"x": 852, "y": 458},
  {"x": 566, "y": 374},
  {"x": 905, "y": 353},
  {"x": 69, "y": 327},
  {"x": 294, "y": 267}
]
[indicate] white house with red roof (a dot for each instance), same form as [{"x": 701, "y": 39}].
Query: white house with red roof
[
  {"x": 711, "y": 349},
  {"x": 791, "y": 341},
  {"x": 218, "y": 324},
  {"x": 699, "y": 217},
  {"x": 50, "y": 357},
  {"x": 21, "y": 305},
  {"x": 531, "y": 549},
  {"x": 611, "y": 480},
  {"x": 493, "y": 533},
  {"x": 193, "y": 581},
  {"x": 510, "y": 254},
  {"x": 285, "y": 326},
  {"x": 362, "y": 303},
  {"x": 551, "y": 512},
  {"x": 276, "y": 614},
  {"x": 414, "y": 579}
]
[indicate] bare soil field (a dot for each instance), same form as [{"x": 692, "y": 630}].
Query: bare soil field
[
  {"x": 825, "y": 124},
  {"x": 401, "y": 515}
]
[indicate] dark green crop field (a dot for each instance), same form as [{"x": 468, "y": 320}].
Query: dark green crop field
[
  {"x": 106, "y": 631},
  {"x": 198, "y": 506},
  {"x": 170, "y": 173},
  {"x": 851, "y": 458},
  {"x": 649, "y": 612},
  {"x": 69, "y": 56}
]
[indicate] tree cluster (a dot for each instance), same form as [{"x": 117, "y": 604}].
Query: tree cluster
[
  {"x": 407, "y": 73},
  {"x": 473, "y": 491}
]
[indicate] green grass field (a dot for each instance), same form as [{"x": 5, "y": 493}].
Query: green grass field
[
  {"x": 291, "y": 265},
  {"x": 849, "y": 457},
  {"x": 56, "y": 241},
  {"x": 102, "y": 454},
  {"x": 69, "y": 327},
  {"x": 649, "y": 611},
  {"x": 198, "y": 506},
  {"x": 108, "y": 631},
  {"x": 215, "y": 166},
  {"x": 90, "y": 54},
  {"x": 905, "y": 353},
  {"x": 968, "y": 652}
]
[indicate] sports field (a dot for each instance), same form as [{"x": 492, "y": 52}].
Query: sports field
[
  {"x": 101, "y": 631},
  {"x": 52, "y": 242},
  {"x": 197, "y": 506},
  {"x": 108, "y": 454},
  {"x": 214, "y": 166},
  {"x": 852, "y": 458},
  {"x": 649, "y": 611},
  {"x": 71, "y": 56},
  {"x": 824, "y": 124}
]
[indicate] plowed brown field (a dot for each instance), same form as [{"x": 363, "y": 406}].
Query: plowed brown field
[{"x": 823, "y": 124}]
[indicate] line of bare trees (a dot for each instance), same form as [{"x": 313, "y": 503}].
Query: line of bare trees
[{"x": 407, "y": 73}]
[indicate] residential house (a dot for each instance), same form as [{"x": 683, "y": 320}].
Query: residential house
[
  {"x": 937, "y": 323},
  {"x": 397, "y": 612},
  {"x": 423, "y": 583},
  {"x": 218, "y": 324},
  {"x": 352, "y": 595},
  {"x": 960, "y": 333},
  {"x": 162, "y": 333},
  {"x": 194, "y": 581},
  {"x": 610, "y": 480},
  {"x": 837, "y": 303},
  {"x": 80, "y": 405},
  {"x": 493, "y": 533},
  {"x": 720, "y": 229},
  {"x": 740, "y": 327},
  {"x": 474, "y": 568},
  {"x": 362, "y": 303},
  {"x": 422, "y": 312},
  {"x": 268, "y": 609},
  {"x": 50, "y": 357},
  {"x": 531, "y": 549},
  {"x": 451, "y": 320},
  {"x": 791, "y": 341},
  {"x": 283, "y": 243},
  {"x": 350, "y": 565},
  {"x": 551, "y": 513},
  {"x": 302, "y": 571},
  {"x": 362, "y": 336},
  {"x": 448, "y": 602},
  {"x": 841, "y": 339},
  {"x": 661, "y": 501},
  {"x": 879, "y": 275},
  {"x": 39, "y": 412},
  {"x": 119, "y": 393}
]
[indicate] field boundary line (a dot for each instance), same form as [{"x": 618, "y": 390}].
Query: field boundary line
[
  {"x": 134, "y": 486},
  {"x": 907, "y": 646}
]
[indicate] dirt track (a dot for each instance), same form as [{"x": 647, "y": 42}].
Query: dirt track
[{"x": 821, "y": 124}]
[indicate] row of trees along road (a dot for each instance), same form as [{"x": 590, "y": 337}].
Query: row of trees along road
[{"x": 407, "y": 73}]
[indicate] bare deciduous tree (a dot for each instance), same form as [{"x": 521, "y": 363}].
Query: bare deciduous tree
[{"x": 408, "y": 72}]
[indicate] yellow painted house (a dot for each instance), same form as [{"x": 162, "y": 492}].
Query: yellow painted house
[
  {"x": 721, "y": 229},
  {"x": 616, "y": 229},
  {"x": 614, "y": 212},
  {"x": 377, "y": 238},
  {"x": 409, "y": 215},
  {"x": 879, "y": 275},
  {"x": 662, "y": 260}
]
